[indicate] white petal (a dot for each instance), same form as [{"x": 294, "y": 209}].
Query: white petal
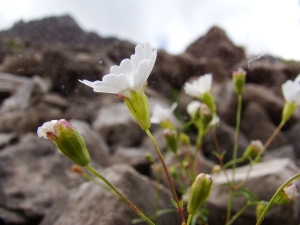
[
  {"x": 147, "y": 51},
  {"x": 126, "y": 66},
  {"x": 140, "y": 76},
  {"x": 160, "y": 114},
  {"x": 193, "y": 107},
  {"x": 115, "y": 70},
  {"x": 45, "y": 128}
]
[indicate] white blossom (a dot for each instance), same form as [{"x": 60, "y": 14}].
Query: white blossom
[
  {"x": 161, "y": 114},
  {"x": 132, "y": 74},
  {"x": 198, "y": 87},
  {"x": 193, "y": 107},
  {"x": 291, "y": 91},
  {"x": 291, "y": 191},
  {"x": 47, "y": 127}
]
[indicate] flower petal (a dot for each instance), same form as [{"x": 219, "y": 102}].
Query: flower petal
[
  {"x": 46, "y": 128},
  {"x": 125, "y": 67}
]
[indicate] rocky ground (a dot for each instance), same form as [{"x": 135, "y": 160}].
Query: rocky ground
[{"x": 40, "y": 64}]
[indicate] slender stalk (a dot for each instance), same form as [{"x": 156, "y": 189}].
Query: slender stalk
[
  {"x": 271, "y": 138},
  {"x": 198, "y": 149},
  {"x": 235, "y": 147},
  {"x": 274, "y": 196},
  {"x": 180, "y": 210},
  {"x": 240, "y": 212},
  {"x": 219, "y": 153},
  {"x": 236, "y": 135},
  {"x": 130, "y": 204}
]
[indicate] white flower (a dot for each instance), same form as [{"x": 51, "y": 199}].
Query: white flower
[
  {"x": 198, "y": 87},
  {"x": 47, "y": 127},
  {"x": 193, "y": 107},
  {"x": 291, "y": 91},
  {"x": 161, "y": 114},
  {"x": 132, "y": 74},
  {"x": 291, "y": 191}
]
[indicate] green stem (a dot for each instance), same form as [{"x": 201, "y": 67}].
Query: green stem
[
  {"x": 235, "y": 147},
  {"x": 180, "y": 210},
  {"x": 131, "y": 205},
  {"x": 271, "y": 138},
  {"x": 231, "y": 162},
  {"x": 189, "y": 219},
  {"x": 274, "y": 196},
  {"x": 239, "y": 213},
  {"x": 197, "y": 150}
]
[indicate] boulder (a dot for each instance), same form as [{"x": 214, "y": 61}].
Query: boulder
[
  {"x": 264, "y": 179},
  {"x": 91, "y": 204},
  {"x": 33, "y": 174}
]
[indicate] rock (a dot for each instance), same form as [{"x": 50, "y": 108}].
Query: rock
[
  {"x": 75, "y": 208},
  {"x": 268, "y": 71},
  {"x": 256, "y": 125},
  {"x": 285, "y": 151},
  {"x": 263, "y": 181},
  {"x": 96, "y": 146},
  {"x": 33, "y": 173},
  {"x": 293, "y": 137},
  {"x": 266, "y": 98},
  {"x": 225, "y": 137},
  {"x": 216, "y": 45},
  {"x": 26, "y": 64},
  {"x": 135, "y": 157},
  {"x": 55, "y": 100},
  {"x": 148, "y": 145},
  {"x": 118, "y": 126},
  {"x": 7, "y": 138}
]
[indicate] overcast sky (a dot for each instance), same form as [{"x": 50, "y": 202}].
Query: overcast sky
[{"x": 261, "y": 26}]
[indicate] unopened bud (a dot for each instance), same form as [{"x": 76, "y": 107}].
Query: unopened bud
[
  {"x": 184, "y": 139},
  {"x": 254, "y": 148},
  {"x": 199, "y": 192},
  {"x": 171, "y": 139},
  {"x": 67, "y": 139},
  {"x": 287, "y": 194},
  {"x": 260, "y": 208},
  {"x": 239, "y": 79},
  {"x": 173, "y": 171},
  {"x": 216, "y": 169}
]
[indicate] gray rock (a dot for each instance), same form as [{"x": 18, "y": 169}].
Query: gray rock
[
  {"x": 92, "y": 205},
  {"x": 7, "y": 138},
  {"x": 33, "y": 173},
  {"x": 118, "y": 126},
  {"x": 285, "y": 151},
  {"x": 225, "y": 137},
  {"x": 293, "y": 136},
  {"x": 263, "y": 181},
  {"x": 256, "y": 125}
]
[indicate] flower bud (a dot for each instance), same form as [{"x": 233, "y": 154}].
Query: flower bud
[
  {"x": 184, "y": 139},
  {"x": 239, "y": 78},
  {"x": 171, "y": 139},
  {"x": 288, "y": 193},
  {"x": 216, "y": 169},
  {"x": 255, "y": 148},
  {"x": 199, "y": 192},
  {"x": 67, "y": 139},
  {"x": 260, "y": 208}
]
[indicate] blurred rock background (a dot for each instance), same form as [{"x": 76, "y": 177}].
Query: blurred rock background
[{"x": 40, "y": 64}]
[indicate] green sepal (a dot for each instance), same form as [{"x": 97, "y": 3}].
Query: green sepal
[{"x": 138, "y": 105}]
